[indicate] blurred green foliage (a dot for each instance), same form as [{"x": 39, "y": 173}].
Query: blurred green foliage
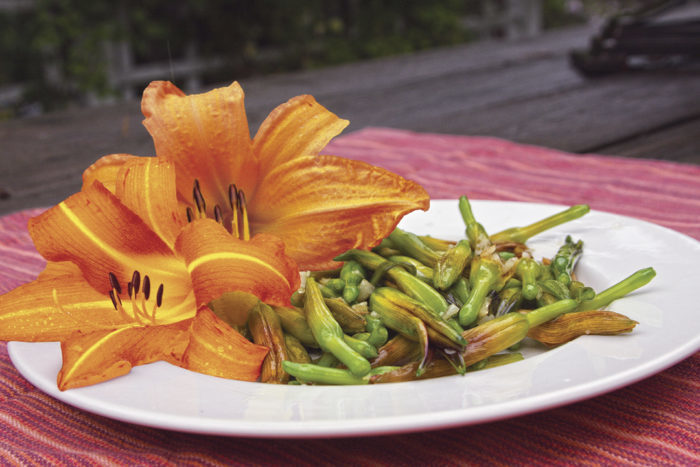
[{"x": 58, "y": 46}]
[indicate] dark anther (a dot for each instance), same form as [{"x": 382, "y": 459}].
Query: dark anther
[
  {"x": 232, "y": 195},
  {"x": 217, "y": 214},
  {"x": 114, "y": 300},
  {"x": 241, "y": 199},
  {"x": 198, "y": 198},
  {"x": 136, "y": 281},
  {"x": 130, "y": 289},
  {"x": 146, "y": 287},
  {"x": 159, "y": 295},
  {"x": 114, "y": 283},
  {"x": 190, "y": 214}
]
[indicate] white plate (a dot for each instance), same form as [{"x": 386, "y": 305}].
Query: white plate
[{"x": 164, "y": 396}]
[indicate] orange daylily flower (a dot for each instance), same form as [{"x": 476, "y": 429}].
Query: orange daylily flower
[
  {"x": 320, "y": 206},
  {"x": 108, "y": 317}
]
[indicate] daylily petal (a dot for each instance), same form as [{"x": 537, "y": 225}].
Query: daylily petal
[
  {"x": 299, "y": 127},
  {"x": 217, "y": 349},
  {"x": 55, "y": 306},
  {"x": 205, "y": 135},
  {"x": 146, "y": 185},
  {"x": 105, "y": 170},
  {"x": 324, "y": 205},
  {"x": 98, "y": 233},
  {"x": 218, "y": 263},
  {"x": 99, "y": 356}
]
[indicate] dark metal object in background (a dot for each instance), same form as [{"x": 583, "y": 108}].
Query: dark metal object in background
[{"x": 640, "y": 40}]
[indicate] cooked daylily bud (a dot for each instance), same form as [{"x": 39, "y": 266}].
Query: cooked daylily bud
[
  {"x": 351, "y": 274},
  {"x": 572, "y": 325},
  {"x": 476, "y": 233},
  {"x": 294, "y": 323},
  {"x": 399, "y": 350},
  {"x": 555, "y": 288},
  {"x": 546, "y": 299},
  {"x": 378, "y": 334},
  {"x": 386, "y": 248},
  {"x": 350, "y": 319},
  {"x": 266, "y": 329},
  {"x": 335, "y": 284},
  {"x": 411, "y": 245},
  {"x": 451, "y": 263},
  {"x": 483, "y": 341},
  {"x": 580, "y": 292},
  {"x": 386, "y": 299},
  {"x": 513, "y": 283},
  {"x": 360, "y": 346},
  {"x": 297, "y": 298},
  {"x": 565, "y": 260},
  {"x": 423, "y": 272},
  {"x": 326, "y": 291},
  {"x": 328, "y": 332},
  {"x": 619, "y": 290},
  {"x": 296, "y": 350},
  {"x": 460, "y": 290},
  {"x": 494, "y": 336},
  {"x": 419, "y": 290},
  {"x": 327, "y": 359},
  {"x": 408, "y": 283},
  {"x": 509, "y": 300},
  {"x": 527, "y": 271},
  {"x": 484, "y": 277},
  {"x": 436, "y": 244},
  {"x": 322, "y": 375},
  {"x": 522, "y": 234}
]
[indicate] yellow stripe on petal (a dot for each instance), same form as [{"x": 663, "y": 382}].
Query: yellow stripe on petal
[
  {"x": 231, "y": 256},
  {"x": 117, "y": 255},
  {"x": 90, "y": 351},
  {"x": 219, "y": 263}
]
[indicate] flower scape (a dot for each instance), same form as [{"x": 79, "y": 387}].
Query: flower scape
[{"x": 193, "y": 257}]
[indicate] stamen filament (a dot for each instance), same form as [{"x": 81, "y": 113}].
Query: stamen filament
[{"x": 244, "y": 215}]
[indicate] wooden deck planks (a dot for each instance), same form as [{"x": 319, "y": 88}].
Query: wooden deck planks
[{"x": 523, "y": 91}]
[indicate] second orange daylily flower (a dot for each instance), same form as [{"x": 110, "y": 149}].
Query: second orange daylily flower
[
  {"x": 123, "y": 288},
  {"x": 320, "y": 206}
]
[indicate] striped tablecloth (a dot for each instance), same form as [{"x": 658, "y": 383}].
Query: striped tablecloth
[{"x": 653, "y": 422}]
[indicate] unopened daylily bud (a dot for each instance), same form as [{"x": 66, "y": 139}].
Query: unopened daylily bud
[
  {"x": 572, "y": 325},
  {"x": 450, "y": 264},
  {"x": 350, "y": 319},
  {"x": 266, "y": 329}
]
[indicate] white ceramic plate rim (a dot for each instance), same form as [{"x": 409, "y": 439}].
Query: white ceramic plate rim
[{"x": 163, "y": 396}]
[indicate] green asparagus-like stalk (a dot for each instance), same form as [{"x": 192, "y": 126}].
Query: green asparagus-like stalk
[
  {"x": 311, "y": 373},
  {"x": 619, "y": 290},
  {"x": 522, "y": 234},
  {"x": 476, "y": 233}
]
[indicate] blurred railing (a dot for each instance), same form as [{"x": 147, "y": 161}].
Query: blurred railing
[{"x": 505, "y": 19}]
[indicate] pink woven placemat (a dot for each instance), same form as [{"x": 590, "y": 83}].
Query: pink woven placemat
[{"x": 653, "y": 422}]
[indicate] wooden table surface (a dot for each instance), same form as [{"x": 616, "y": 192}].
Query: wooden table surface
[{"x": 524, "y": 91}]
